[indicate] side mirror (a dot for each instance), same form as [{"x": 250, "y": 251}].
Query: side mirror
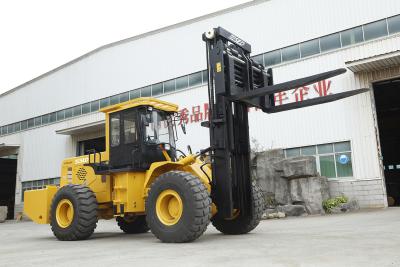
[
  {"x": 189, "y": 148},
  {"x": 183, "y": 126}
]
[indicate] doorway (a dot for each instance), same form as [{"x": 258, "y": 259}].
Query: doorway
[
  {"x": 387, "y": 101},
  {"x": 8, "y": 175}
]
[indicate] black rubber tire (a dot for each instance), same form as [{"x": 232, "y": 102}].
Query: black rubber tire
[
  {"x": 85, "y": 213},
  {"x": 196, "y": 207},
  {"x": 242, "y": 224},
  {"x": 136, "y": 225}
]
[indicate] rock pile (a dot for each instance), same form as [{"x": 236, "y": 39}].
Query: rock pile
[{"x": 291, "y": 186}]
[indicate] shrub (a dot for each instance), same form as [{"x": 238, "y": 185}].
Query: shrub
[{"x": 331, "y": 203}]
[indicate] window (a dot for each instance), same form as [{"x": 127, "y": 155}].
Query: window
[
  {"x": 323, "y": 149},
  {"x": 333, "y": 160},
  {"x": 77, "y": 110},
  {"x": 52, "y": 117},
  {"x": 115, "y": 130},
  {"x": 169, "y": 86},
  {"x": 195, "y": 79},
  {"x": 85, "y": 108},
  {"x": 94, "y": 105},
  {"x": 17, "y": 126},
  {"x": 68, "y": 113},
  {"x": 24, "y": 125},
  {"x": 327, "y": 166},
  {"x": 38, "y": 121},
  {"x": 46, "y": 119},
  {"x": 130, "y": 134},
  {"x": 308, "y": 151},
  {"x": 258, "y": 59},
  {"x": 60, "y": 115},
  {"x": 394, "y": 24},
  {"x": 157, "y": 89},
  {"x": 104, "y": 102},
  {"x": 124, "y": 97},
  {"x": 352, "y": 36},
  {"x": 272, "y": 58},
  {"x": 10, "y": 128},
  {"x": 182, "y": 83},
  {"x": 309, "y": 48},
  {"x": 330, "y": 42},
  {"x": 145, "y": 91},
  {"x": 375, "y": 30},
  {"x": 205, "y": 76},
  {"x": 114, "y": 99},
  {"x": 4, "y": 130},
  {"x": 292, "y": 152},
  {"x": 290, "y": 53},
  {"x": 31, "y": 123},
  {"x": 134, "y": 94}
]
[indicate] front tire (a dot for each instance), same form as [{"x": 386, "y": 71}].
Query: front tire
[
  {"x": 73, "y": 214},
  {"x": 242, "y": 224},
  {"x": 178, "y": 207},
  {"x": 133, "y": 225}
]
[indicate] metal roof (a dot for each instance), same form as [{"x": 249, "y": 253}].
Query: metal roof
[
  {"x": 376, "y": 62},
  {"x": 140, "y": 36},
  {"x": 82, "y": 129}
]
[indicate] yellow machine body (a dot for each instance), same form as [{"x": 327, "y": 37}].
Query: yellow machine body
[
  {"x": 37, "y": 204},
  {"x": 117, "y": 193}
]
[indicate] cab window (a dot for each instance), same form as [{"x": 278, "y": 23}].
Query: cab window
[
  {"x": 130, "y": 133},
  {"x": 115, "y": 130}
]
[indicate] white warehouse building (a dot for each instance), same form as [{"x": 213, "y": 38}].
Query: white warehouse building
[{"x": 354, "y": 140}]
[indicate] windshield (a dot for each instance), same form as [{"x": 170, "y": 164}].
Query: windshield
[{"x": 159, "y": 128}]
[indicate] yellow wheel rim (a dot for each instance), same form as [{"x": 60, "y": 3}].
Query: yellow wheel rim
[
  {"x": 169, "y": 207},
  {"x": 236, "y": 214},
  {"x": 64, "y": 213}
]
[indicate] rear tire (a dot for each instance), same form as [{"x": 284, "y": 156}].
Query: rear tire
[
  {"x": 242, "y": 224},
  {"x": 73, "y": 214},
  {"x": 133, "y": 225},
  {"x": 178, "y": 207}
]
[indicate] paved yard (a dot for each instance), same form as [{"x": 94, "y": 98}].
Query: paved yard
[{"x": 369, "y": 238}]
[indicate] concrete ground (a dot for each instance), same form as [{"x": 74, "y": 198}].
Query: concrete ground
[{"x": 368, "y": 238}]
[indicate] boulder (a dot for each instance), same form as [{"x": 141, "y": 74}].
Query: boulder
[
  {"x": 349, "y": 206},
  {"x": 3, "y": 213},
  {"x": 299, "y": 167},
  {"x": 268, "y": 178},
  {"x": 311, "y": 191},
  {"x": 280, "y": 215},
  {"x": 292, "y": 210},
  {"x": 267, "y": 214}
]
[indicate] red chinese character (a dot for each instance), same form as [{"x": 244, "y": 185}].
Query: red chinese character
[
  {"x": 206, "y": 112},
  {"x": 280, "y": 97},
  {"x": 197, "y": 115},
  {"x": 300, "y": 92},
  {"x": 322, "y": 87},
  {"x": 184, "y": 116}
]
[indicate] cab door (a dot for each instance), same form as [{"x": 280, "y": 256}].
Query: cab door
[{"x": 124, "y": 138}]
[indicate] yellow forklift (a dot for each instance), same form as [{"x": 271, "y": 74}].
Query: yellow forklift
[{"x": 146, "y": 183}]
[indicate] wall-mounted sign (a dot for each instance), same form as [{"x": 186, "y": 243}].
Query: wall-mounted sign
[{"x": 343, "y": 159}]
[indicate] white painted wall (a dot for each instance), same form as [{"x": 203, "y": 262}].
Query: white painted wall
[{"x": 133, "y": 64}]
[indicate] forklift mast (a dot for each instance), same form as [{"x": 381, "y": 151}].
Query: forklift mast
[{"x": 236, "y": 83}]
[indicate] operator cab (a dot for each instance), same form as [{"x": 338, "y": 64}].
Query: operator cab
[{"x": 139, "y": 131}]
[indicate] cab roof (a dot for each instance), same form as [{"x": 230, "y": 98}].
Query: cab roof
[{"x": 142, "y": 101}]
